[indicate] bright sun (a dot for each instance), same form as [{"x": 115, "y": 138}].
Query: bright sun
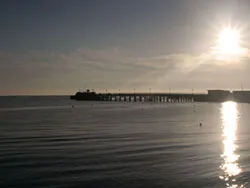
[
  {"x": 228, "y": 45},
  {"x": 228, "y": 41}
]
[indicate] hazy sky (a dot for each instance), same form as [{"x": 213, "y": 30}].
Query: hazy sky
[{"x": 59, "y": 46}]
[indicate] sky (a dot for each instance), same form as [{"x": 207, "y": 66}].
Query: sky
[{"x": 58, "y": 47}]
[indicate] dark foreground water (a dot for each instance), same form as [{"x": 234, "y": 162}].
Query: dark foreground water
[{"x": 47, "y": 142}]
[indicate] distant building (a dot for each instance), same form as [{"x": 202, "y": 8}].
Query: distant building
[
  {"x": 219, "y": 95},
  {"x": 241, "y": 96}
]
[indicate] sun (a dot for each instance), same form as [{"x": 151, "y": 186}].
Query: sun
[
  {"x": 227, "y": 46},
  {"x": 228, "y": 41}
]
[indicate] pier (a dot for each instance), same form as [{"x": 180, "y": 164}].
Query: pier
[
  {"x": 211, "y": 96},
  {"x": 152, "y": 97},
  {"x": 140, "y": 97}
]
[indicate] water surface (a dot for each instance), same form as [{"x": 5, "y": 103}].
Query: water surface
[{"x": 55, "y": 142}]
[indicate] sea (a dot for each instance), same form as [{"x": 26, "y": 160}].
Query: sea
[{"x": 54, "y": 142}]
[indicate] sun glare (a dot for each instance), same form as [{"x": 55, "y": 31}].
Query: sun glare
[
  {"x": 228, "y": 42},
  {"x": 230, "y": 164},
  {"x": 228, "y": 45}
]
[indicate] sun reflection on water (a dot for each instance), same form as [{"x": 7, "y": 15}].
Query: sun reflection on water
[{"x": 230, "y": 158}]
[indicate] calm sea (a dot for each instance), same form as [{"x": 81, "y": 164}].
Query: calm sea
[{"x": 55, "y": 142}]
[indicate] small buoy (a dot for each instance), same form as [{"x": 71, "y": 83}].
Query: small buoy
[
  {"x": 73, "y": 106},
  {"x": 200, "y": 124},
  {"x": 142, "y": 109}
]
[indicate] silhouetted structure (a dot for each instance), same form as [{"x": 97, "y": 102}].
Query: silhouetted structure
[
  {"x": 211, "y": 96},
  {"x": 225, "y": 95},
  {"x": 133, "y": 97},
  {"x": 241, "y": 96},
  {"x": 86, "y": 96},
  {"x": 219, "y": 95}
]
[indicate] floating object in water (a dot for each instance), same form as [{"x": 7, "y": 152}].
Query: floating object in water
[{"x": 200, "y": 124}]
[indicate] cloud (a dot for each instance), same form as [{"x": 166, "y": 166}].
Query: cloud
[{"x": 37, "y": 71}]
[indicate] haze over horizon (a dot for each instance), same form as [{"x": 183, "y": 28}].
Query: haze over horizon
[{"x": 57, "y": 47}]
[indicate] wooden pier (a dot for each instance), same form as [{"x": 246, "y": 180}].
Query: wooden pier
[
  {"x": 211, "y": 96},
  {"x": 143, "y": 97}
]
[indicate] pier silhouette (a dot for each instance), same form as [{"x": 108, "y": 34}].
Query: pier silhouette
[{"x": 210, "y": 96}]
